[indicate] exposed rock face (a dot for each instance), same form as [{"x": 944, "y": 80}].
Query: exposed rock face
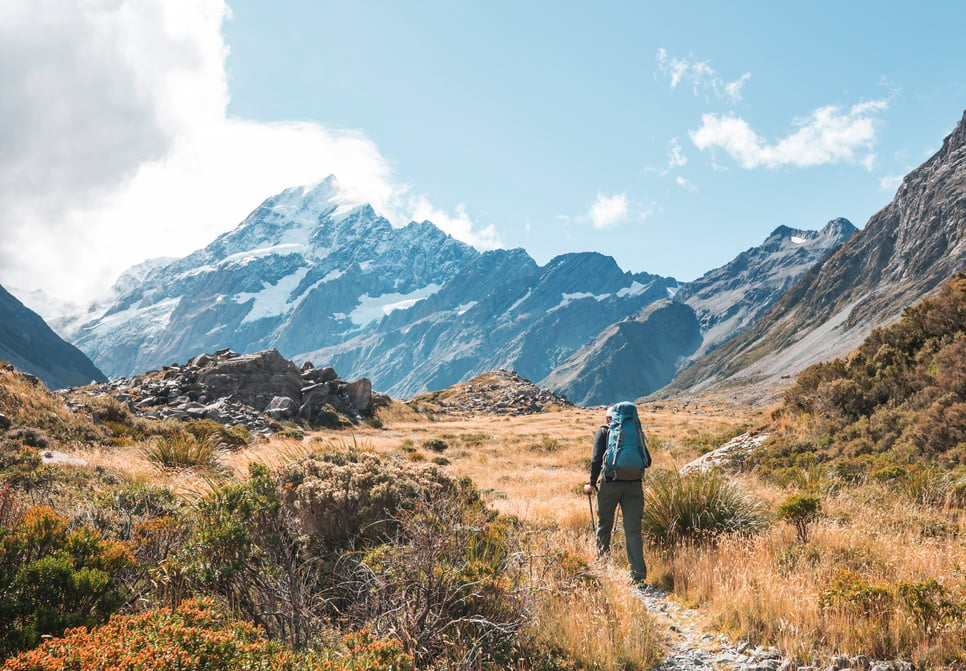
[
  {"x": 728, "y": 299},
  {"x": 255, "y": 380},
  {"x": 29, "y": 344},
  {"x": 250, "y": 390},
  {"x": 903, "y": 254}
]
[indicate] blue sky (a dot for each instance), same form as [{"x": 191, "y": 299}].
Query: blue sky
[
  {"x": 671, "y": 136},
  {"x": 525, "y": 114}
]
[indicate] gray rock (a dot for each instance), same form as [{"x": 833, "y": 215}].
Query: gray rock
[
  {"x": 282, "y": 407},
  {"x": 359, "y": 394},
  {"x": 253, "y": 379},
  {"x": 4, "y": 422}
]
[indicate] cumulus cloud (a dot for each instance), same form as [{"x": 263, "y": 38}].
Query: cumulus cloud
[
  {"x": 828, "y": 135},
  {"x": 608, "y": 211},
  {"x": 115, "y": 144},
  {"x": 700, "y": 75}
]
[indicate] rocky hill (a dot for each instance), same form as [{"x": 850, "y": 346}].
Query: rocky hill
[
  {"x": 904, "y": 253},
  {"x": 29, "y": 344},
  {"x": 498, "y": 392}
]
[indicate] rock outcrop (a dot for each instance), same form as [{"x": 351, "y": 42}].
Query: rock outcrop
[
  {"x": 252, "y": 390},
  {"x": 498, "y": 392}
]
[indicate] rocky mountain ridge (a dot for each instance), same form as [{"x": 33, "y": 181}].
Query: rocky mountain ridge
[
  {"x": 321, "y": 279},
  {"x": 28, "y": 343},
  {"x": 905, "y": 252},
  {"x": 637, "y": 356}
]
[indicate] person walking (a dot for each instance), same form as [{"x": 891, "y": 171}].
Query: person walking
[{"x": 619, "y": 458}]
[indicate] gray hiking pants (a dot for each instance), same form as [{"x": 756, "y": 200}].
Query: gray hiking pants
[{"x": 629, "y": 495}]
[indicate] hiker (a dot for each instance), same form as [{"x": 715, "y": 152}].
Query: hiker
[{"x": 619, "y": 459}]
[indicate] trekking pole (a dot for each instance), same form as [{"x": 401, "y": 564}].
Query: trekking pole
[{"x": 593, "y": 524}]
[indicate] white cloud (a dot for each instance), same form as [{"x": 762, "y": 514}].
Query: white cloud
[
  {"x": 608, "y": 211},
  {"x": 890, "y": 183},
  {"x": 685, "y": 183},
  {"x": 700, "y": 75},
  {"x": 675, "y": 155},
  {"x": 828, "y": 135},
  {"x": 117, "y": 145},
  {"x": 460, "y": 226}
]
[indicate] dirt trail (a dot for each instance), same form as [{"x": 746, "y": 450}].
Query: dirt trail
[{"x": 694, "y": 646}]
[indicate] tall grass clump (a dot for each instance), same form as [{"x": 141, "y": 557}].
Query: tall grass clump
[
  {"x": 697, "y": 507},
  {"x": 182, "y": 450}
]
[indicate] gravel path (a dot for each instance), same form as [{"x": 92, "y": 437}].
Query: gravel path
[{"x": 694, "y": 646}]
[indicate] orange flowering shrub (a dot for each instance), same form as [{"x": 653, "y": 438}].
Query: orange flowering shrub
[
  {"x": 195, "y": 636},
  {"x": 53, "y": 578}
]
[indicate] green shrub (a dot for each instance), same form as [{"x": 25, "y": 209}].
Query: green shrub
[
  {"x": 195, "y": 637},
  {"x": 52, "y": 578},
  {"x": 800, "y": 510},
  {"x": 850, "y": 593},
  {"x": 697, "y": 507},
  {"x": 344, "y": 499},
  {"x": 435, "y": 444},
  {"x": 450, "y": 587}
]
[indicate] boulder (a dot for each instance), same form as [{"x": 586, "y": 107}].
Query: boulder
[
  {"x": 253, "y": 379},
  {"x": 282, "y": 407},
  {"x": 359, "y": 394}
]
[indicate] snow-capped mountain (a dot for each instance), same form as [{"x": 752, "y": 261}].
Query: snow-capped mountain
[
  {"x": 303, "y": 271},
  {"x": 335, "y": 283}
]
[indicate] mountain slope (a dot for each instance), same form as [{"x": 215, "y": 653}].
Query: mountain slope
[
  {"x": 636, "y": 357},
  {"x": 29, "y": 344},
  {"x": 904, "y": 253}
]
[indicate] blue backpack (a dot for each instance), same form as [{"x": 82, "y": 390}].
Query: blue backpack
[{"x": 626, "y": 457}]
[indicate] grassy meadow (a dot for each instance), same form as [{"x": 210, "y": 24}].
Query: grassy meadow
[{"x": 823, "y": 558}]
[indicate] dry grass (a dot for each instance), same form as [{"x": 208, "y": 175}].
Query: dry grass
[{"x": 771, "y": 588}]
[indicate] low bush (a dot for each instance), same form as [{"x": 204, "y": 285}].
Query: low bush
[
  {"x": 53, "y": 578},
  {"x": 697, "y": 507},
  {"x": 800, "y": 510},
  {"x": 196, "y": 637}
]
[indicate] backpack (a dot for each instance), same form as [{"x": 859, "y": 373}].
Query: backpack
[{"x": 626, "y": 456}]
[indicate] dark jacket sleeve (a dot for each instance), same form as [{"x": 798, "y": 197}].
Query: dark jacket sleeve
[{"x": 597, "y": 460}]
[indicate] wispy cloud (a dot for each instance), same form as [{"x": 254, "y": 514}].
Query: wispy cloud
[
  {"x": 609, "y": 211},
  {"x": 685, "y": 183},
  {"x": 675, "y": 154},
  {"x": 460, "y": 226},
  {"x": 890, "y": 183},
  {"x": 828, "y": 135},
  {"x": 700, "y": 75},
  {"x": 118, "y": 145}
]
